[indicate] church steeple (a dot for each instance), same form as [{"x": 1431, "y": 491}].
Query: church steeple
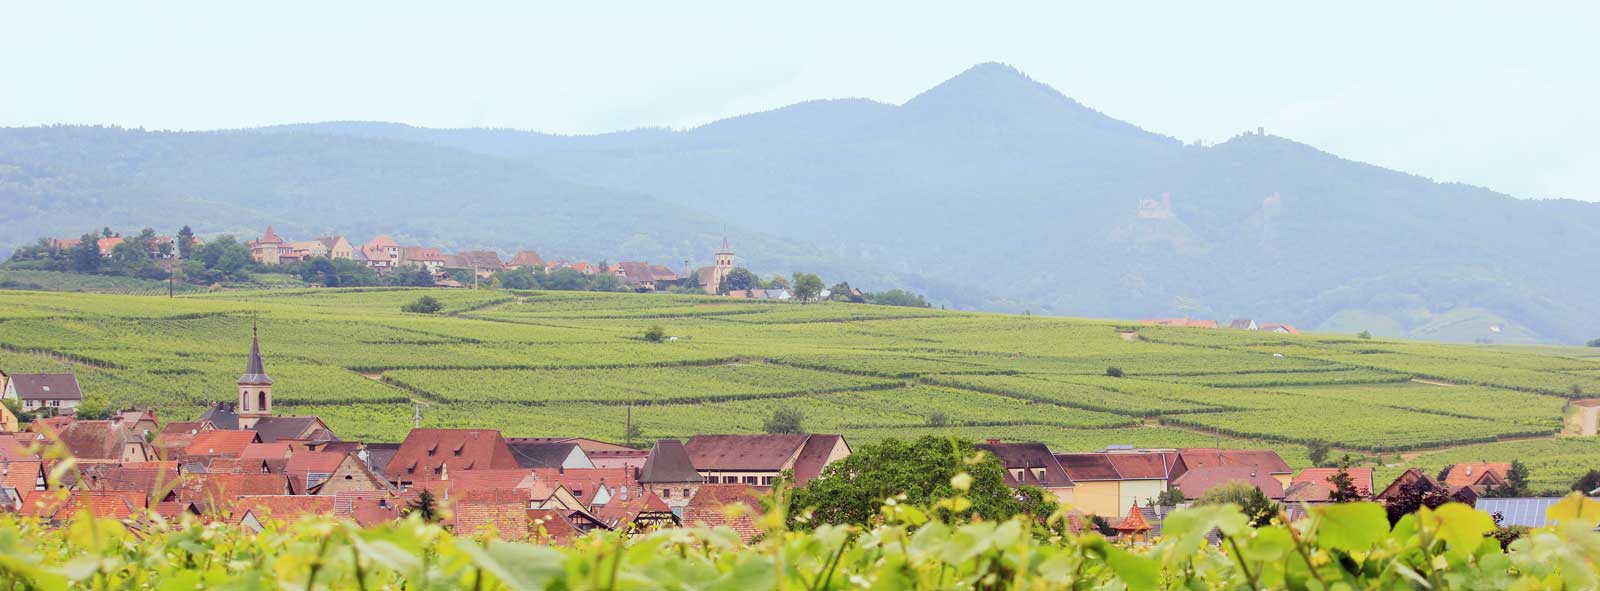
[{"x": 255, "y": 386}]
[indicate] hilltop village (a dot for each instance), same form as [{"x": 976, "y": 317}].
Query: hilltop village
[
  {"x": 242, "y": 463},
  {"x": 336, "y": 261}
]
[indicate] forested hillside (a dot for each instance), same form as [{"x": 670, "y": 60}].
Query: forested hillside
[{"x": 989, "y": 191}]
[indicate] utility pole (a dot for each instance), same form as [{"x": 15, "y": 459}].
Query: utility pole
[{"x": 627, "y": 432}]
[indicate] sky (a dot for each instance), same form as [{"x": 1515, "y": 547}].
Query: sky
[{"x": 1488, "y": 93}]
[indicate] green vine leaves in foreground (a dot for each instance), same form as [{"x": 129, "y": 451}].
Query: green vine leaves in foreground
[{"x": 1347, "y": 546}]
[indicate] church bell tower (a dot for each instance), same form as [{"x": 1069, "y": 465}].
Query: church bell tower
[{"x": 255, "y": 387}]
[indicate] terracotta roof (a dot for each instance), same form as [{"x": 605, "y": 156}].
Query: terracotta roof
[
  {"x": 622, "y": 512},
  {"x": 1083, "y": 467},
  {"x": 555, "y": 525},
  {"x": 526, "y": 258},
  {"x": 585, "y": 483},
  {"x": 1265, "y": 461},
  {"x": 421, "y": 254},
  {"x": 425, "y": 451},
  {"x": 1196, "y": 482},
  {"x": 1029, "y": 458},
  {"x": 1272, "y": 327},
  {"x": 460, "y": 483},
  {"x": 285, "y": 508},
  {"x": 752, "y": 453},
  {"x": 382, "y": 241},
  {"x": 276, "y": 450},
  {"x": 1143, "y": 465},
  {"x": 314, "y": 462},
  {"x": 245, "y": 466},
  {"x": 106, "y": 245},
  {"x": 632, "y": 459},
  {"x": 482, "y": 260},
  {"x": 270, "y": 237},
  {"x": 1134, "y": 522},
  {"x": 220, "y": 443},
  {"x": 22, "y": 475},
  {"x": 97, "y": 440},
  {"x": 220, "y": 491},
  {"x": 737, "y": 506},
  {"x": 1469, "y": 473},
  {"x": 1360, "y": 476},
  {"x": 668, "y": 462},
  {"x": 46, "y": 386},
  {"x": 102, "y": 504},
  {"x": 814, "y": 456}
]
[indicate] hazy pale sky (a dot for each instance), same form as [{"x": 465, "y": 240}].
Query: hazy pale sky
[{"x": 1488, "y": 93}]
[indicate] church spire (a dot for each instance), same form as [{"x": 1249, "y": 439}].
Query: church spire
[{"x": 255, "y": 372}]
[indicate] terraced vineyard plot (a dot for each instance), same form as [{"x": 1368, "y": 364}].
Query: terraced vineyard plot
[
  {"x": 1466, "y": 401},
  {"x": 373, "y": 299},
  {"x": 1301, "y": 378},
  {"x": 1150, "y": 436},
  {"x": 1546, "y": 382},
  {"x": 1362, "y": 427},
  {"x": 885, "y": 364},
  {"x": 1070, "y": 394},
  {"x": 967, "y": 407},
  {"x": 1553, "y": 464},
  {"x": 663, "y": 384}
]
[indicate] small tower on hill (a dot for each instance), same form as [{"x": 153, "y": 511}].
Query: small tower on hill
[{"x": 255, "y": 387}]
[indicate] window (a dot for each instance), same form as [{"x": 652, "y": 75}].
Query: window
[
  {"x": 247, "y": 402},
  {"x": 711, "y": 480},
  {"x": 55, "y": 403},
  {"x": 749, "y": 480},
  {"x": 666, "y": 493},
  {"x": 30, "y": 404},
  {"x": 686, "y": 493},
  {"x": 730, "y": 479},
  {"x": 767, "y": 480},
  {"x": 261, "y": 401}
]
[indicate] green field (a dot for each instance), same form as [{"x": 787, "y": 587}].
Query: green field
[{"x": 573, "y": 363}]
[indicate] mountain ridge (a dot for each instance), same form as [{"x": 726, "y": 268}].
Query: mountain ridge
[{"x": 1002, "y": 188}]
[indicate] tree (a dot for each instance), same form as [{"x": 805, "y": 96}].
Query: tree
[
  {"x": 1588, "y": 482},
  {"x": 777, "y": 282},
  {"x": 1317, "y": 451},
  {"x": 842, "y": 292},
  {"x": 655, "y": 334},
  {"x": 1365, "y": 334},
  {"x": 1414, "y": 496},
  {"x": 784, "y": 421},
  {"x": 1115, "y": 372},
  {"x": 185, "y": 242},
  {"x": 1515, "y": 485},
  {"x": 807, "y": 287},
  {"x": 1171, "y": 497},
  {"x": 86, "y": 254},
  {"x": 607, "y": 282},
  {"x": 938, "y": 419},
  {"x": 1594, "y": 342},
  {"x": 519, "y": 278},
  {"x": 739, "y": 279},
  {"x": 423, "y": 305},
  {"x": 899, "y": 297},
  {"x": 107, "y": 233},
  {"x": 94, "y": 407},
  {"x": 1255, "y": 503},
  {"x": 566, "y": 280},
  {"x": 852, "y": 489},
  {"x": 425, "y": 506},
  {"x": 1344, "y": 487}
]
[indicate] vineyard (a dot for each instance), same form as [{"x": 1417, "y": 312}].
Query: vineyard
[{"x": 576, "y": 364}]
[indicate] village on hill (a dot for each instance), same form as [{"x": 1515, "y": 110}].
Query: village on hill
[
  {"x": 244, "y": 464},
  {"x": 336, "y": 261}
]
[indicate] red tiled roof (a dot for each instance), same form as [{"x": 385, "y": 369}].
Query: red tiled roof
[
  {"x": 1082, "y": 467},
  {"x": 276, "y": 450},
  {"x": 1467, "y": 474},
  {"x": 526, "y": 258},
  {"x": 285, "y": 508},
  {"x": 756, "y": 453},
  {"x": 1143, "y": 466},
  {"x": 555, "y": 525},
  {"x": 314, "y": 462},
  {"x": 220, "y": 443},
  {"x": 22, "y": 475},
  {"x": 1134, "y": 522},
  {"x": 424, "y": 451},
  {"x": 220, "y": 491},
  {"x": 1360, "y": 476},
  {"x": 814, "y": 457},
  {"x": 506, "y": 512},
  {"x": 1196, "y": 482},
  {"x": 1265, "y": 461}
]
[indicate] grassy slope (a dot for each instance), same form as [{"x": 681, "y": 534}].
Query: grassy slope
[{"x": 552, "y": 363}]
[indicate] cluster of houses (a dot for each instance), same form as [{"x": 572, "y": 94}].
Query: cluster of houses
[
  {"x": 383, "y": 253},
  {"x": 161, "y": 247},
  {"x": 1236, "y": 324},
  {"x": 242, "y": 463}
]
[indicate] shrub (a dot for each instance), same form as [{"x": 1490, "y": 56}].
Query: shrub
[
  {"x": 1594, "y": 342},
  {"x": 1115, "y": 372},
  {"x": 938, "y": 419},
  {"x": 1365, "y": 334},
  {"x": 655, "y": 334},
  {"x": 423, "y": 305},
  {"x": 784, "y": 421}
]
